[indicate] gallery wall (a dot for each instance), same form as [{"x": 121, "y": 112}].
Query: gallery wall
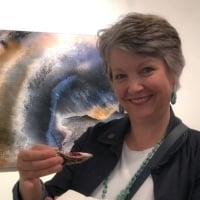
[{"x": 88, "y": 16}]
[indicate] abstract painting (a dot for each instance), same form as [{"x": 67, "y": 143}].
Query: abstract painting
[{"x": 52, "y": 88}]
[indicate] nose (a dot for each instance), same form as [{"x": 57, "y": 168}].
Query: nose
[{"x": 135, "y": 85}]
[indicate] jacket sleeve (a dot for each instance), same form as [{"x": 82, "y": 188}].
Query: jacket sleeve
[
  {"x": 17, "y": 195},
  {"x": 65, "y": 179},
  {"x": 196, "y": 190}
]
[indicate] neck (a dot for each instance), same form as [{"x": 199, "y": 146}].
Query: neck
[{"x": 146, "y": 134}]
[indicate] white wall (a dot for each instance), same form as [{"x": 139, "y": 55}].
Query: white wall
[{"x": 88, "y": 16}]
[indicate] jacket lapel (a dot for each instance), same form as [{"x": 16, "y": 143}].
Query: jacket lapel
[{"x": 99, "y": 167}]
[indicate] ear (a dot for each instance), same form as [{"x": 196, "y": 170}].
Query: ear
[
  {"x": 173, "y": 82},
  {"x": 174, "y": 89}
]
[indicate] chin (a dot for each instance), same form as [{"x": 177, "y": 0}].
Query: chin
[{"x": 141, "y": 115}]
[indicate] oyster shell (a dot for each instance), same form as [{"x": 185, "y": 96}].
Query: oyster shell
[{"x": 71, "y": 158}]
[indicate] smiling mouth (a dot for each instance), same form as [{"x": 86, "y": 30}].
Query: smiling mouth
[{"x": 141, "y": 100}]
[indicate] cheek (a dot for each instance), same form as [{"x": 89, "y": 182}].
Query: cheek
[
  {"x": 163, "y": 81},
  {"x": 120, "y": 93},
  {"x": 165, "y": 89}
]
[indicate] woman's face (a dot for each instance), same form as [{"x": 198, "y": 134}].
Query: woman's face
[{"x": 142, "y": 84}]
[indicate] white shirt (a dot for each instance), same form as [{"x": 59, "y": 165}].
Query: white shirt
[{"x": 127, "y": 166}]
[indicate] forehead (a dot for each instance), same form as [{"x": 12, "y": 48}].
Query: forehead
[{"x": 121, "y": 57}]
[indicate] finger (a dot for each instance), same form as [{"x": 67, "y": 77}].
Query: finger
[
  {"x": 39, "y": 164},
  {"x": 42, "y": 147},
  {"x": 36, "y": 154},
  {"x": 31, "y": 174}
]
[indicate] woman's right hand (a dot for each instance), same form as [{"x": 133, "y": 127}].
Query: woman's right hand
[
  {"x": 33, "y": 163},
  {"x": 38, "y": 161}
]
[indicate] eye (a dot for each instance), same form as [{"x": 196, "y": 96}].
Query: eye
[
  {"x": 119, "y": 76},
  {"x": 147, "y": 70}
]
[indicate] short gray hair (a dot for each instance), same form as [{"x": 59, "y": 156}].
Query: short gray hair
[{"x": 146, "y": 34}]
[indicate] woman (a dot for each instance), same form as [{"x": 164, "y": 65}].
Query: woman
[{"x": 143, "y": 59}]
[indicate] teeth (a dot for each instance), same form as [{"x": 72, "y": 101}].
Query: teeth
[{"x": 140, "y": 100}]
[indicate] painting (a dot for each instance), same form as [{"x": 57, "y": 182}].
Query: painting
[{"x": 52, "y": 88}]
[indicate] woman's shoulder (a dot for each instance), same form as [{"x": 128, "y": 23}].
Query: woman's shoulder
[
  {"x": 113, "y": 124},
  {"x": 103, "y": 129},
  {"x": 193, "y": 140},
  {"x": 194, "y": 134}
]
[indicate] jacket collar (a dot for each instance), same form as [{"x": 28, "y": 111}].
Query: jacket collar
[
  {"x": 114, "y": 135},
  {"x": 118, "y": 128}
]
